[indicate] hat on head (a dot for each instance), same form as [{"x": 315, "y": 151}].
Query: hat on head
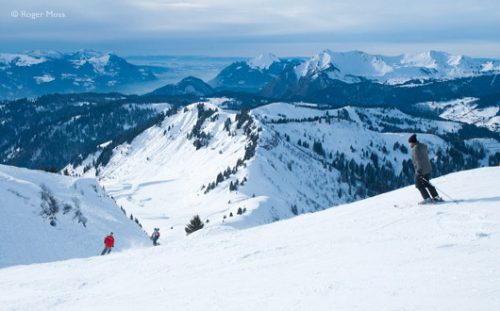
[{"x": 413, "y": 138}]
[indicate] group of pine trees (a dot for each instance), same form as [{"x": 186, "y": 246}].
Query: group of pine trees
[
  {"x": 201, "y": 138},
  {"x": 51, "y": 207}
]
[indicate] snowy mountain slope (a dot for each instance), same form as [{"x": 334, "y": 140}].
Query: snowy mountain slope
[
  {"x": 159, "y": 177},
  {"x": 387, "y": 250},
  {"x": 86, "y": 214},
  {"x": 466, "y": 110},
  {"x": 305, "y": 159}
]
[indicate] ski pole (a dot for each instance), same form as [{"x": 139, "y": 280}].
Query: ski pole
[{"x": 453, "y": 200}]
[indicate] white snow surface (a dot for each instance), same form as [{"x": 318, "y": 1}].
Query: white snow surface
[
  {"x": 26, "y": 237},
  {"x": 382, "y": 253},
  {"x": 44, "y": 79}
]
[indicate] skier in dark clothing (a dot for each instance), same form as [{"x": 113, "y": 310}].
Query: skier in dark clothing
[
  {"x": 155, "y": 236},
  {"x": 423, "y": 170},
  {"x": 109, "y": 243}
]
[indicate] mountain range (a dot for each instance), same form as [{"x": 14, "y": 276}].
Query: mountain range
[
  {"x": 36, "y": 73},
  {"x": 287, "y": 124},
  {"x": 339, "y": 78},
  {"x": 328, "y": 76}
]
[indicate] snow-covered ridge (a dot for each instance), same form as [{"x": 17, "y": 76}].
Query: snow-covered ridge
[
  {"x": 85, "y": 215},
  {"x": 393, "y": 253}
]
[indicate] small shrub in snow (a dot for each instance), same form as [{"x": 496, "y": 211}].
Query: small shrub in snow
[
  {"x": 67, "y": 208},
  {"x": 78, "y": 213}
]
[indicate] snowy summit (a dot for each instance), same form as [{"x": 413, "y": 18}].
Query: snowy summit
[{"x": 263, "y": 61}]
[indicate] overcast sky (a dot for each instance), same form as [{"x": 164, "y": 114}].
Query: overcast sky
[{"x": 249, "y": 27}]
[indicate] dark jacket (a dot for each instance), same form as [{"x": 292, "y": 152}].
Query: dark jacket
[{"x": 420, "y": 159}]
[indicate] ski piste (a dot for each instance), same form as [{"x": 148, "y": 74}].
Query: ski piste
[{"x": 397, "y": 259}]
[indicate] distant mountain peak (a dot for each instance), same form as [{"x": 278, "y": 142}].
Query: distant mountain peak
[
  {"x": 263, "y": 61},
  {"x": 188, "y": 86}
]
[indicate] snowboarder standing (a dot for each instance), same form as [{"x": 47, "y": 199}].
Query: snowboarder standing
[
  {"x": 423, "y": 170},
  {"x": 109, "y": 243},
  {"x": 155, "y": 236}
]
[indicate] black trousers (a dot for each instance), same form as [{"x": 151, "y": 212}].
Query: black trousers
[{"x": 425, "y": 188}]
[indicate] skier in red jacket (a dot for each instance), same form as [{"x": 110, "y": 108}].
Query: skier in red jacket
[{"x": 109, "y": 243}]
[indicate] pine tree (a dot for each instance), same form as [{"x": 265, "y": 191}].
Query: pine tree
[
  {"x": 318, "y": 148},
  {"x": 220, "y": 178},
  {"x": 227, "y": 125},
  {"x": 194, "y": 225}
]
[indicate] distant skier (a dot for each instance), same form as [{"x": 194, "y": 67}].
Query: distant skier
[
  {"x": 423, "y": 170},
  {"x": 109, "y": 243},
  {"x": 155, "y": 236}
]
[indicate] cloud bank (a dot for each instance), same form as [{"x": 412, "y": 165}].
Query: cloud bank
[{"x": 244, "y": 27}]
